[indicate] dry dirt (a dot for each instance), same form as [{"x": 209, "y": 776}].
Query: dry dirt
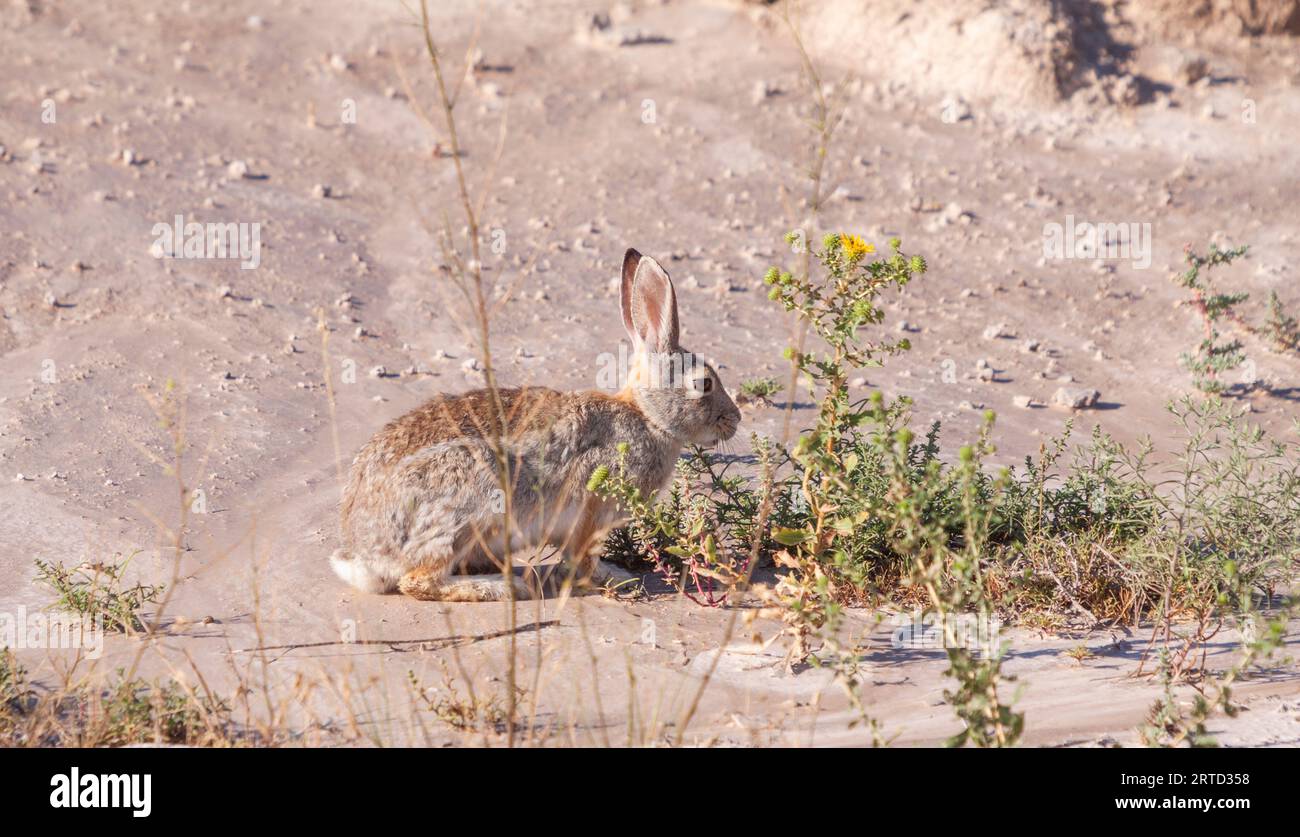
[{"x": 673, "y": 130}]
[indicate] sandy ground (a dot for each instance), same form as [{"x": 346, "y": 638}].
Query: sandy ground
[{"x": 678, "y": 145}]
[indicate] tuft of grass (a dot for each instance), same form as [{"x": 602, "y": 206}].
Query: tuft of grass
[
  {"x": 14, "y": 692},
  {"x": 124, "y": 712},
  {"x": 1080, "y": 653},
  {"x": 96, "y": 591},
  {"x": 134, "y": 711},
  {"x": 466, "y": 713},
  {"x": 15, "y": 697},
  {"x": 759, "y": 391}
]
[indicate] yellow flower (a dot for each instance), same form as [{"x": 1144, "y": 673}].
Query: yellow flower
[{"x": 855, "y": 247}]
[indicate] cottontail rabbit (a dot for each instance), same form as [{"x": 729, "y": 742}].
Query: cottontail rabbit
[{"x": 424, "y": 497}]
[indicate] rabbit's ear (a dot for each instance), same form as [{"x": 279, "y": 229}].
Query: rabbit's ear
[
  {"x": 630, "y": 260},
  {"x": 654, "y": 307}
]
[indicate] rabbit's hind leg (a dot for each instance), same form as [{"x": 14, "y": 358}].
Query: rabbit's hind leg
[
  {"x": 431, "y": 580},
  {"x": 428, "y": 584}
]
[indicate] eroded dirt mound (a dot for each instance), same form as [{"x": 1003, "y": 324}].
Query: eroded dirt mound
[
  {"x": 1024, "y": 53},
  {"x": 1230, "y": 17}
]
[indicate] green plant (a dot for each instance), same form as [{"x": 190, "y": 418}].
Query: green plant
[
  {"x": 14, "y": 691},
  {"x": 1215, "y": 355},
  {"x": 1167, "y": 724},
  {"x": 97, "y": 592},
  {"x": 1171, "y": 723},
  {"x": 123, "y": 712},
  {"x": 1281, "y": 328},
  {"x": 1080, "y": 653},
  {"x": 134, "y": 711},
  {"x": 863, "y": 511},
  {"x": 952, "y": 574},
  {"x": 697, "y": 537},
  {"x": 759, "y": 390},
  {"x": 836, "y": 309}
]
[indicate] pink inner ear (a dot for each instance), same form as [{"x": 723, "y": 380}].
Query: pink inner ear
[
  {"x": 631, "y": 259},
  {"x": 654, "y": 308},
  {"x": 652, "y": 298}
]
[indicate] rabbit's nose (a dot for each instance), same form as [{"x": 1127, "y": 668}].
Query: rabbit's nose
[{"x": 729, "y": 423}]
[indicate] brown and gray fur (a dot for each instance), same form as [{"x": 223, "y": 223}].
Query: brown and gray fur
[{"x": 424, "y": 499}]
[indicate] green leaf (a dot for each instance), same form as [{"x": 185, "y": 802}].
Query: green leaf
[{"x": 791, "y": 537}]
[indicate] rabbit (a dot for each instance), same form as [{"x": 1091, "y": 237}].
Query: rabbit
[{"x": 423, "y": 498}]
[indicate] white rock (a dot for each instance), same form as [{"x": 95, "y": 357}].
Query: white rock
[
  {"x": 762, "y": 90},
  {"x": 954, "y": 109},
  {"x": 1075, "y": 398}
]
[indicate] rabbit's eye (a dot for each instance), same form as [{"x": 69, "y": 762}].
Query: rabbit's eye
[{"x": 706, "y": 385}]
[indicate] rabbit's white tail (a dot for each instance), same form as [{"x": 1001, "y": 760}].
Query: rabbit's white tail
[{"x": 355, "y": 572}]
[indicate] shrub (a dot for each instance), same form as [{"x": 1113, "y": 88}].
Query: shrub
[
  {"x": 860, "y": 510},
  {"x": 97, "y": 592},
  {"x": 1281, "y": 329}
]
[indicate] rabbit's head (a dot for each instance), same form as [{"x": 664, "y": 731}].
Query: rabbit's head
[{"x": 676, "y": 390}]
